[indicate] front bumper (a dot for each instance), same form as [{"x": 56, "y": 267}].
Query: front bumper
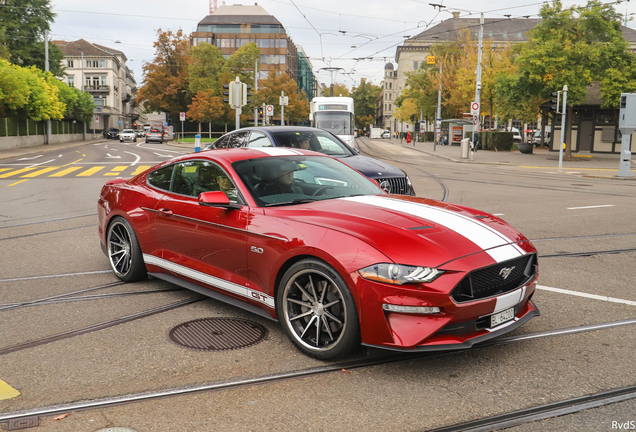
[{"x": 458, "y": 325}]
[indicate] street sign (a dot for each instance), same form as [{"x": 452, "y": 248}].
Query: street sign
[
  {"x": 182, "y": 116},
  {"x": 96, "y": 118},
  {"x": 165, "y": 124},
  {"x": 284, "y": 100},
  {"x": 430, "y": 60},
  {"x": 475, "y": 119},
  {"x": 269, "y": 110},
  {"x": 119, "y": 122},
  {"x": 474, "y": 108}
]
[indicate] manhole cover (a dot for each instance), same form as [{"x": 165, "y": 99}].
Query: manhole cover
[{"x": 217, "y": 334}]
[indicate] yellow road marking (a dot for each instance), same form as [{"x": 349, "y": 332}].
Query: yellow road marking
[
  {"x": 64, "y": 172},
  {"x": 12, "y": 173},
  {"x": 7, "y": 392},
  {"x": 4, "y": 169},
  {"x": 140, "y": 169},
  {"x": 37, "y": 173},
  {"x": 71, "y": 163},
  {"x": 18, "y": 182},
  {"x": 116, "y": 171},
  {"x": 90, "y": 172}
]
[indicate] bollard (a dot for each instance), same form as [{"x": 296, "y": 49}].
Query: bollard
[{"x": 197, "y": 143}]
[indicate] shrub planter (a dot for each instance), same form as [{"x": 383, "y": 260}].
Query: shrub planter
[{"x": 525, "y": 148}]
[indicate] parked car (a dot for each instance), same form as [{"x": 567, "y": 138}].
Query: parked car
[
  {"x": 127, "y": 134},
  {"x": 140, "y": 133},
  {"x": 516, "y": 135},
  {"x": 386, "y": 134},
  {"x": 154, "y": 135},
  {"x": 391, "y": 179},
  {"x": 111, "y": 133},
  {"x": 299, "y": 237}
]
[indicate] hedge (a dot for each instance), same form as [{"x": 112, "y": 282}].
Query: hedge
[{"x": 495, "y": 141}]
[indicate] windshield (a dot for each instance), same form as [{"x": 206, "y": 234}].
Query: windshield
[
  {"x": 288, "y": 180},
  {"x": 322, "y": 142},
  {"x": 338, "y": 123}
]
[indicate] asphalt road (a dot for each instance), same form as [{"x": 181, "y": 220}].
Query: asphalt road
[{"x": 49, "y": 247}]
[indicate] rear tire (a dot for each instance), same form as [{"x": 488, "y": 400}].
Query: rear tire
[
  {"x": 317, "y": 311},
  {"x": 124, "y": 253}
]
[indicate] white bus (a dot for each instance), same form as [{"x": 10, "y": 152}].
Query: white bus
[{"x": 334, "y": 114}]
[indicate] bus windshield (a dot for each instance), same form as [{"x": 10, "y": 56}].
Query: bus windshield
[{"x": 338, "y": 123}]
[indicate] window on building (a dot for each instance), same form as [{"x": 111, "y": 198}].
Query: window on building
[
  {"x": 69, "y": 63},
  {"x": 276, "y": 43},
  {"x": 283, "y": 43},
  {"x": 70, "y": 80},
  {"x": 386, "y": 96},
  {"x": 103, "y": 80},
  {"x": 389, "y": 107},
  {"x": 102, "y": 64},
  {"x": 244, "y": 42},
  {"x": 282, "y": 59},
  {"x": 390, "y": 86},
  {"x": 225, "y": 43},
  {"x": 264, "y": 43}
]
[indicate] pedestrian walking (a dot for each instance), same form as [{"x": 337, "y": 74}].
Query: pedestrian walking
[{"x": 408, "y": 137}]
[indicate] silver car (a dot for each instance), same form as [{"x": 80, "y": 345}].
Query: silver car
[{"x": 127, "y": 134}]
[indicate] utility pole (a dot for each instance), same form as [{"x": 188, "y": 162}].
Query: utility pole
[
  {"x": 255, "y": 89},
  {"x": 438, "y": 120},
  {"x": 46, "y": 68},
  {"x": 563, "y": 117},
  {"x": 477, "y": 124}
]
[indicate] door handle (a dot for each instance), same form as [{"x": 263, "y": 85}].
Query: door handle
[{"x": 165, "y": 211}]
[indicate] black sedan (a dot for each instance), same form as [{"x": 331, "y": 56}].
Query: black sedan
[
  {"x": 111, "y": 133},
  {"x": 393, "y": 180}
]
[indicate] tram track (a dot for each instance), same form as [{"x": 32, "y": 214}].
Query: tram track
[
  {"x": 48, "y": 220},
  {"x": 520, "y": 417}
]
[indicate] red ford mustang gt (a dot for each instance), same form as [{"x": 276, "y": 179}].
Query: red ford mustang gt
[{"x": 300, "y": 237}]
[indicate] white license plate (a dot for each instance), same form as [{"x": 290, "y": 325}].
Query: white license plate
[{"x": 502, "y": 317}]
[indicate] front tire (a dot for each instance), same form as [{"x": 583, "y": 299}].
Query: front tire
[
  {"x": 124, "y": 253},
  {"x": 317, "y": 311}
]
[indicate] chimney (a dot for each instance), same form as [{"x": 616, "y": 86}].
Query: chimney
[{"x": 456, "y": 14}]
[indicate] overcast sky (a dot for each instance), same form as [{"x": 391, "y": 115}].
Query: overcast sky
[{"x": 334, "y": 33}]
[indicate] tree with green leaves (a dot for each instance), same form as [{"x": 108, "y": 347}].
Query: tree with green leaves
[
  {"x": 25, "y": 93},
  {"x": 572, "y": 46},
  {"x": 23, "y": 23},
  {"x": 365, "y": 99}
]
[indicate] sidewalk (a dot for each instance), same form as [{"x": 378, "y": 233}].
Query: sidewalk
[
  {"x": 26, "y": 151},
  {"x": 591, "y": 164}
]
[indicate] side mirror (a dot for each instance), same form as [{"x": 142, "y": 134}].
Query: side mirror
[{"x": 216, "y": 199}]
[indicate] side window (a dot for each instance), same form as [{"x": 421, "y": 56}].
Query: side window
[
  {"x": 194, "y": 177},
  {"x": 237, "y": 139},
  {"x": 221, "y": 142},
  {"x": 161, "y": 177},
  {"x": 259, "y": 139}
]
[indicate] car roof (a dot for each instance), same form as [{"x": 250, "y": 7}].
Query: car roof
[{"x": 273, "y": 129}]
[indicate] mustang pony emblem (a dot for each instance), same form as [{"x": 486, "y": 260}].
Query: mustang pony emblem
[{"x": 505, "y": 272}]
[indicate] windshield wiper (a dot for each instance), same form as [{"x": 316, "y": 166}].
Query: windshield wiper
[{"x": 296, "y": 201}]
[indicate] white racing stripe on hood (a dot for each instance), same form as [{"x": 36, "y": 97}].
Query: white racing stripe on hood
[
  {"x": 497, "y": 245},
  {"x": 278, "y": 151}
]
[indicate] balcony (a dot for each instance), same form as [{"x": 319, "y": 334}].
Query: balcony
[{"x": 97, "y": 89}]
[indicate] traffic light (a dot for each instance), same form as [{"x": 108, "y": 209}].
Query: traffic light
[
  {"x": 226, "y": 93},
  {"x": 245, "y": 92},
  {"x": 555, "y": 102},
  {"x": 260, "y": 111}
]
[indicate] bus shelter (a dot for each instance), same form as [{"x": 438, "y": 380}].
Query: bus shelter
[{"x": 458, "y": 129}]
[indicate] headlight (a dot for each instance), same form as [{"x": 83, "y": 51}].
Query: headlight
[{"x": 399, "y": 274}]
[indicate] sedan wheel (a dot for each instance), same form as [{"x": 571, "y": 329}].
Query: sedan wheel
[
  {"x": 124, "y": 252},
  {"x": 317, "y": 310}
]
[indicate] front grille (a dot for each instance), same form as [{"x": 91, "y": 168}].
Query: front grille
[
  {"x": 397, "y": 185},
  {"x": 489, "y": 281}
]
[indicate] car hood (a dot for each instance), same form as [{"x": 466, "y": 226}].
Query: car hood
[
  {"x": 372, "y": 168},
  {"x": 414, "y": 231}
]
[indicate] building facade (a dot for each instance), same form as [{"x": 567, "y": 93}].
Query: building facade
[
  {"x": 102, "y": 72},
  {"x": 386, "y": 119},
  {"x": 231, "y": 27}
]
